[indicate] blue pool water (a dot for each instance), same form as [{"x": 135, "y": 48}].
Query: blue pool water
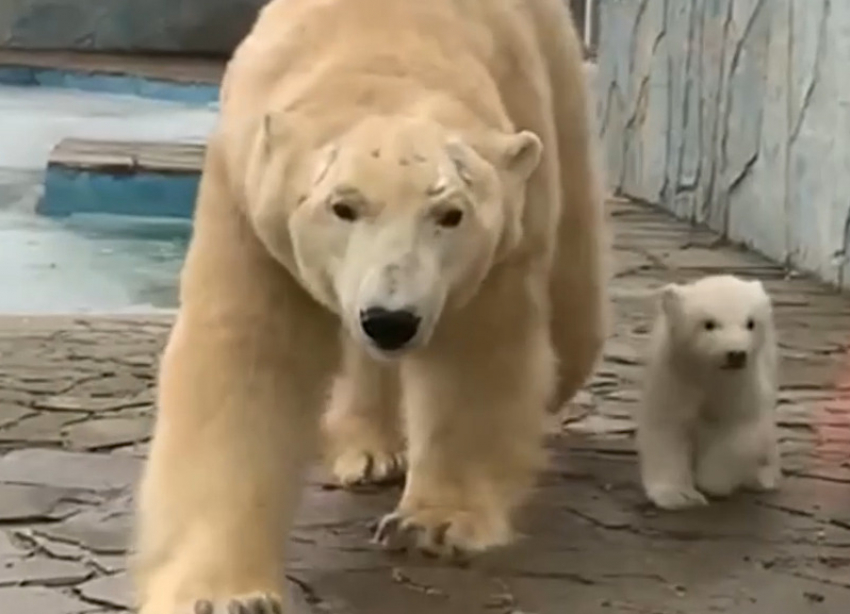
[{"x": 84, "y": 263}]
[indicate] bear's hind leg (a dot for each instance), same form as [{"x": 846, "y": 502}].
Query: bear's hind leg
[
  {"x": 581, "y": 268},
  {"x": 362, "y": 426},
  {"x": 475, "y": 403}
]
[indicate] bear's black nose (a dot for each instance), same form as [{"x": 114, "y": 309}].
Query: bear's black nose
[
  {"x": 735, "y": 359},
  {"x": 389, "y": 329}
]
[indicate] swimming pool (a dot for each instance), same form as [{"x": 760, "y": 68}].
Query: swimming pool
[{"x": 85, "y": 263}]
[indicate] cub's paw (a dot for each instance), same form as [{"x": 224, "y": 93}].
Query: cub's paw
[
  {"x": 765, "y": 480},
  {"x": 673, "y": 498},
  {"x": 358, "y": 467},
  {"x": 255, "y": 603},
  {"x": 437, "y": 532}
]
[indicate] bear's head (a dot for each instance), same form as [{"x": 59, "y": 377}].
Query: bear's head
[
  {"x": 393, "y": 220},
  {"x": 719, "y": 321}
]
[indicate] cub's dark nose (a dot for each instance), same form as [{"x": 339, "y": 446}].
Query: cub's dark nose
[
  {"x": 389, "y": 329},
  {"x": 735, "y": 359}
]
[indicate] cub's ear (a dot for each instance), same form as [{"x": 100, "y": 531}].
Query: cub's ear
[
  {"x": 764, "y": 296},
  {"x": 671, "y": 300},
  {"x": 758, "y": 285},
  {"x": 521, "y": 153}
]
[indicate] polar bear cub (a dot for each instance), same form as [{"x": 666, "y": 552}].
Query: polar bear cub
[{"x": 706, "y": 426}]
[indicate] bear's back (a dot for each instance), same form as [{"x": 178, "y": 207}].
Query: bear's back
[{"x": 309, "y": 54}]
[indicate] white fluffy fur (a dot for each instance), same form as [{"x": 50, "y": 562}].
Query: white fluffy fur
[{"x": 704, "y": 429}]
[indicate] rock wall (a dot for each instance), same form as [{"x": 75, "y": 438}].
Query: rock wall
[
  {"x": 735, "y": 113},
  {"x": 185, "y": 26}
]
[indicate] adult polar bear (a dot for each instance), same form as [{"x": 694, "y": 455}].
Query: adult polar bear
[{"x": 424, "y": 174}]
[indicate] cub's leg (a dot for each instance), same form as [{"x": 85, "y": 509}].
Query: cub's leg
[
  {"x": 768, "y": 474},
  {"x": 723, "y": 464},
  {"x": 745, "y": 456},
  {"x": 362, "y": 426},
  {"x": 666, "y": 446},
  {"x": 666, "y": 465},
  {"x": 239, "y": 402},
  {"x": 475, "y": 401}
]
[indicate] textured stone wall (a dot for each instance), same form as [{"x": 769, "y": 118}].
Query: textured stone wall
[
  {"x": 187, "y": 26},
  {"x": 735, "y": 113}
]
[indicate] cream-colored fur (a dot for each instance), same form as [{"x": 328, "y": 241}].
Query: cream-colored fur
[
  {"x": 428, "y": 159},
  {"x": 707, "y": 423}
]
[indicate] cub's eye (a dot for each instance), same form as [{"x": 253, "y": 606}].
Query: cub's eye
[
  {"x": 709, "y": 324},
  {"x": 344, "y": 212},
  {"x": 751, "y": 324},
  {"x": 450, "y": 218}
]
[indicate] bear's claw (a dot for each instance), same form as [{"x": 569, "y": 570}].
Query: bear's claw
[
  {"x": 437, "y": 532},
  {"x": 397, "y": 532},
  {"x": 248, "y": 604},
  {"x": 363, "y": 468}
]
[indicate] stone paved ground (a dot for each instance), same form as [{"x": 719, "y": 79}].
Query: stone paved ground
[{"x": 75, "y": 410}]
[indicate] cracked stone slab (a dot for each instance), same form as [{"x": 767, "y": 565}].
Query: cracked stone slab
[
  {"x": 39, "y": 600},
  {"x": 113, "y": 591},
  {"x": 27, "y": 502},
  {"x": 108, "y": 433},
  {"x": 9, "y": 550},
  {"x": 89, "y": 404},
  {"x": 13, "y": 413},
  {"x": 62, "y": 469},
  {"x": 44, "y": 429},
  {"x": 41, "y": 571},
  {"x": 99, "y": 530},
  {"x": 59, "y": 550}
]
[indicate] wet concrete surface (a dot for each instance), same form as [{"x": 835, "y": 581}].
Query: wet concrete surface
[{"x": 75, "y": 413}]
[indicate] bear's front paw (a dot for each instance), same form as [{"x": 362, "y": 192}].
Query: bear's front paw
[
  {"x": 673, "y": 497},
  {"x": 449, "y": 534},
  {"x": 255, "y": 603},
  {"x": 356, "y": 467}
]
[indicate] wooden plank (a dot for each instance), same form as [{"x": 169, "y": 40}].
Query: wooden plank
[{"x": 128, "y": 157}]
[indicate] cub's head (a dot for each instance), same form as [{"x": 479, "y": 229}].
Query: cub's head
[
  {"x": 393, "y": 221},
  {"x": 720, "y": 321}
]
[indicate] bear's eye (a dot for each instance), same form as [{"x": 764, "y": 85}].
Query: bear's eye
[
  {"x": 709, "y": 324},
  {"x": 344, "y": 212},
  {"x": 751, "y": 324},
  {"x": 450, "y": 218}
]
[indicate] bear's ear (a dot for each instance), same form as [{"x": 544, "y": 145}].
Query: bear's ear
[
  {"x": 671, "y": 300},
  {"x": 522, "y": 152}
]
